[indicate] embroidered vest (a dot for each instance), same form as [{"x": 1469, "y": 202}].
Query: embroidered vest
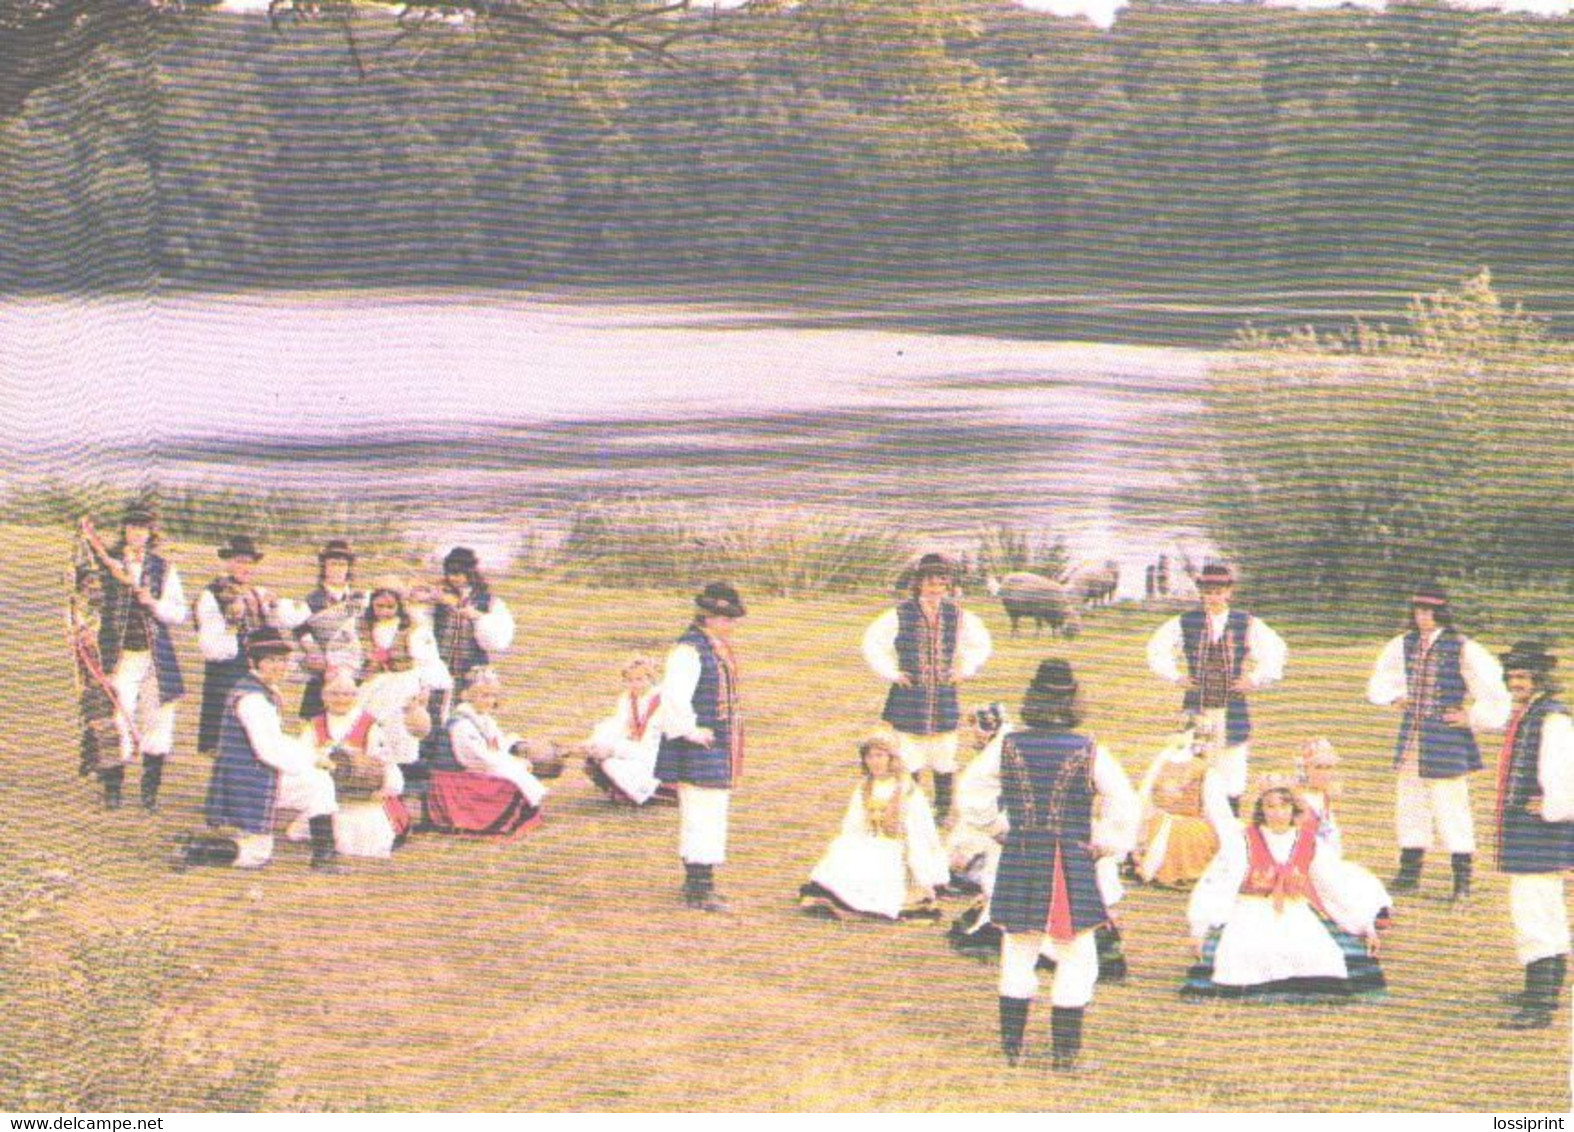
[
  {"x": 1526, "y": 842},
  {"x": 456, "y": 642}
]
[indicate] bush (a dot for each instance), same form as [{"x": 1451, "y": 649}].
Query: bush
[{"x": 1351, "y": 467}]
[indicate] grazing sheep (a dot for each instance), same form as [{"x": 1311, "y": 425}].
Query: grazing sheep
[
  {"x": 1043, "y": 599},
  {"x": 1097, "y": 585}
]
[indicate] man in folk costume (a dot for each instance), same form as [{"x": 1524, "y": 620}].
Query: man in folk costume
[
  {"x": 1428, "y": 674},
  {"x": 472, "y": 627},
  {"x": 230, "y": 610},
  {"x": 1047, "y": 898},
  {"x": 702, "y": 739},
  {"x": 142, "y": 598},
  {"x": 261, "y": 770},
  {"x": 1536, "y": 828},
  {"x": 328, "y": 636},
  {"x": 925, "y": 647},
  {"x": 1227, "y": 654}
]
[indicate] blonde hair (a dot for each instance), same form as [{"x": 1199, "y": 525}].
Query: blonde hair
[{"x": 636, "y": 662}]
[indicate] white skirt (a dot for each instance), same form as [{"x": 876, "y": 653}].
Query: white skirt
[{"x": 866, "y": 873}]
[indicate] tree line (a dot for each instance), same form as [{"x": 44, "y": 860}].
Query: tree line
[{"x": 1192, "y": 149}]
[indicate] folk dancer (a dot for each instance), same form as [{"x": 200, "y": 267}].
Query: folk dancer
[
  {"x": 488, "y": 781},
  {"x": 702, "y": 739},
  {"x": 229, "y": 611},
  {"x": 924, "y": 648},
  {"x": 1047, "y": 897},
  {"x": 1536, "y": 828},
  {"x": 142, "y": 598},
  {"x": 1428, "y": 674},
  {"x": 365, "y": 757},
  {"x": 887, "y": 861},
  {"x": 472, "y": 627},
  {"x": 1228, "y": 654},
  {"x": 261, "y": 770},
  {"x": 1272, "y": 918},
  {"x": 620, "y": 756},
  {"x": 328, "y": 637},
  {"x": 1177, "y": 841}
]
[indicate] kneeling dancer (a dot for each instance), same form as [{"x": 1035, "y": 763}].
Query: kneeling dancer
[
  {"x": 261, "y": 770},
  {"x": 1051, "y": 777}
]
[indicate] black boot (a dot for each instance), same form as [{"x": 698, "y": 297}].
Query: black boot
[
  {"x": 1542, "y": 987},
  {"x": 325, "y": 854},
  {"x": 1013, "y": 1025},
  {"x": 699, "y": 889},
  {"x": 1462, "y": 863},
  {"x": 1065, "y": 1028},
  {"x": 152, "y": 779},
  {"x": 1112, "y": 955},
  {"x": 943, "y": 796},
  {"x": 112, "y": 778},
  {"x": 197, "y": 850},
  {"x": 1235, "y": 806},
  {"x": 1408, "y": 878}
]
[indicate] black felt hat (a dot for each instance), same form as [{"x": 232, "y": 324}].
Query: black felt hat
[
  {"x": 719, "y": 600},
  {"x": 240, "y": 546},
  {"x": 1528, "y": 656}
]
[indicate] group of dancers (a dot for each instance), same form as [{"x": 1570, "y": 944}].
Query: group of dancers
[{"x": 397, "y": 731}]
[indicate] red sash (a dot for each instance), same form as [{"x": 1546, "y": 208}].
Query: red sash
[{"x": 639, "y": 722}]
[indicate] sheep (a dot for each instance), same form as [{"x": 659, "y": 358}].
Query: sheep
[
  {"x": 1043, "y": 599},
  {"x": 1097, "y": 585}
]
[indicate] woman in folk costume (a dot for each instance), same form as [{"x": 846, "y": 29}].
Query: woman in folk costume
[
  {"x": 1274, "y": 916},
  {"x": 328, "y": 637},
  {"x": 398, "y": 661},
  {"x": 230, "y": 610},
  {"x": 620, "y": 756},
  {"x": 924, "y": 648},
  {"x": 1317, "y": 775},
  {"x": 1047, "y": 897},
  {"x": 973, "y": 841},
  {"x": 1220, "y": 656},
  {"x": 98, "y": 748},
  {"x": 372, "y": 819},
  {"x": 887, "y": 861},
  {"x": 1536, "y": 828},
  {"x": 261, "y": 770},
  {"x": 1177, "y": 841},
  {"x": 489, "y": 782},
  {"x": 1428, "y": 674},
  {"x": 472, "y": 627},
  {"x": 141, "y": 599},
  {"x": 702, "y": 739}
]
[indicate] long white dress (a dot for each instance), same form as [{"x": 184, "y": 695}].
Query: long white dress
[
  {"x": 628, "y": 741},
  {"x": 1268, "y": 944},
  {"x": 362, "y": 827},
  {"x": 870, "y": 872}
]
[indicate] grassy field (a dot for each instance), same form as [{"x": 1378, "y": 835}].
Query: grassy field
[{"x": 560, "y": 972}]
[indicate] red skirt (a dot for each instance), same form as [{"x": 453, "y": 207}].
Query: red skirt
[{"x": 478, "y": 804}]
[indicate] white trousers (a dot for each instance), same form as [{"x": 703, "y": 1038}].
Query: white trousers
[
  {"x": 1420, "y": 804},
  {"x": 1541, "y": 919},
  {"x": 1230, "y": 762},
  {"x": 1076, "y": 967},
  {"x": 937, "y": 752},
  {"x": 309, "y": 794},
  {"x": 702, "y": 824},
  {"x": 136, "y": 686}
]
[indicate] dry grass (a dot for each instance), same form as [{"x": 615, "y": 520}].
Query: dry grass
[{"x": 560, "y": 972}]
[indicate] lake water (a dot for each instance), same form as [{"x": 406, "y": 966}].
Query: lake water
[{"x": 523, "y": 406}]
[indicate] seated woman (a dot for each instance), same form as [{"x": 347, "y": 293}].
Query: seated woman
[
  {"x": 888, "y": 860},
  {"x": 484, "y": 782},
  {"x": 1320, "y": 788},
  {"x": 620, "y": 756},
  {"x": 1271, "y": 918},
  {"x": 372, "y": 819},
  {"x": 1176, "y": 842}
]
